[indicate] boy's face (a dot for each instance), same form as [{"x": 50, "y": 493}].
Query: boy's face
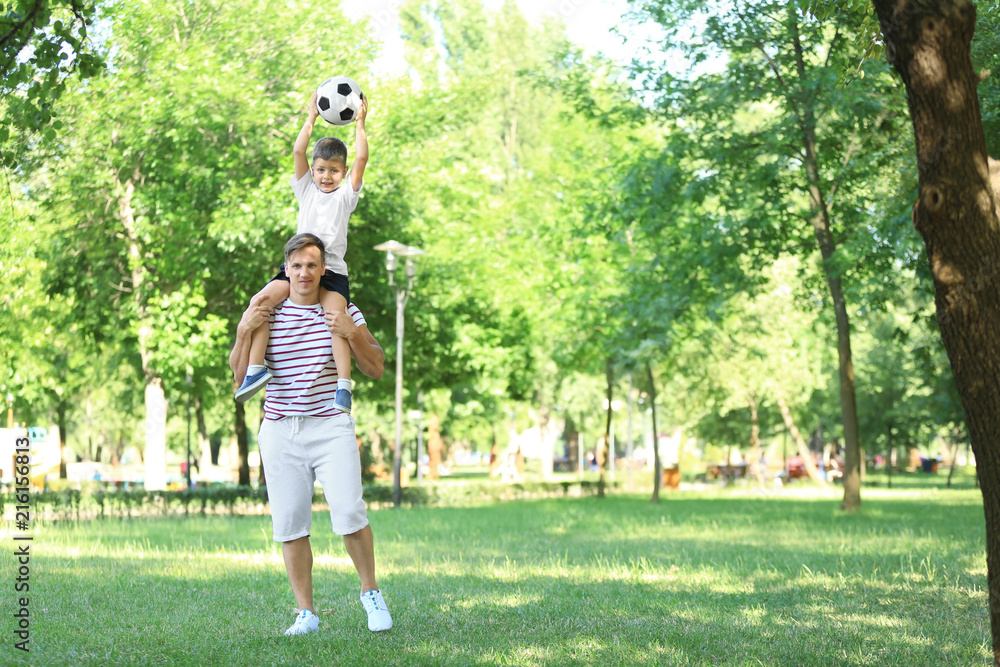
[{"x": 328, "y": 174}]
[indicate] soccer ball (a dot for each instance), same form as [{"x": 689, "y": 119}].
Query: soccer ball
[{"x": 338, "y": 99}]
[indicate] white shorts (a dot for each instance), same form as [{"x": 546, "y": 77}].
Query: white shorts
[{"x": 296, "y": 452}]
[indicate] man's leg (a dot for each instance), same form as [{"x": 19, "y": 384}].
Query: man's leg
[
  {"x": 362, "y": 552},
  {"x": 338, "y": 469},
  {"x": 298, "y": 563},
  {"x": 361, "y": 548}
]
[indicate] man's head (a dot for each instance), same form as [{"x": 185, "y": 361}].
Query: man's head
[
  {"x": 304, "y": 266},
  {"x": 329, "y": 164}
]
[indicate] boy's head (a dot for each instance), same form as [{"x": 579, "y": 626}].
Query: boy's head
[{"x": 329, "y": 164}]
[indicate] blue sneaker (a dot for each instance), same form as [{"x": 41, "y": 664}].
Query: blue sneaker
[
  {"x": 342, "y": 401},
  {"x": 252, "y": 384}
]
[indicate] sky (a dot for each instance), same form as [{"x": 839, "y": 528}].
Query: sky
[{"x": 587, "y": 24}]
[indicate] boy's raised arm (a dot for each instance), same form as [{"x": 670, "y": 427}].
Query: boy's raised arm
[
  {"x": 301, "y": 147},
  {"x": 360, "y": 146}
]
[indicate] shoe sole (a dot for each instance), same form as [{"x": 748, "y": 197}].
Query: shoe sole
[{"x": 248, "y": 392}]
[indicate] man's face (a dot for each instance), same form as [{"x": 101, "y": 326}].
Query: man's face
[
  {"x": 304, "y": 269},
  {"x": 328, "y": 174}
]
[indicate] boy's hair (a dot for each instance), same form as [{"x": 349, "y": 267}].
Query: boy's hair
[
  {"x": 330, "y": 148},
  {"x": 300, "y": 241}
]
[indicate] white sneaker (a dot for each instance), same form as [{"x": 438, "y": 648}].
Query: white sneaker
[
  {"x": 305, "y": 623},
  {"x": 379, "y": 618}
]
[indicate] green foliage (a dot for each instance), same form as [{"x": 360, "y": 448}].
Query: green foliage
[
  {"x": 43, "y": 43},
  {"x": 986, "y": 60},
  {"x": 572, "y": 213}
]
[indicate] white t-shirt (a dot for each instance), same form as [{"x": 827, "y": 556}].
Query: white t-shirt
[
  {"x": 300, "y": 358},
  {"x": 325, "y": 214}
]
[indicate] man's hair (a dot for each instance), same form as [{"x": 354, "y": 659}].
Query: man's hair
[
  {"x": 301, "y": 241},
  {"x": 330, "y": 148}
]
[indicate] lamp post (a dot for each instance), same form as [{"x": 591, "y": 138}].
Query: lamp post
[
  {"x": 10, "y": 410},
  {"x": 393, "y": 251}
]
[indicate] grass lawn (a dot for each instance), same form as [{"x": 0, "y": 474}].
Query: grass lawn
[{"x": 728, "y": 577}]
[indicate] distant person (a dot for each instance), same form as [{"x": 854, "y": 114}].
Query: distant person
[
  {"x": 327, "y": 194},
  {"x": 304, "y": 437}
]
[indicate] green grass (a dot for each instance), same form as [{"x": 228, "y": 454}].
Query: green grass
[{"x": 721, "y": 578}]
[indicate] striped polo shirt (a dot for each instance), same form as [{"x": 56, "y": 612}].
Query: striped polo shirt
[{"x": 300, "y": 358}]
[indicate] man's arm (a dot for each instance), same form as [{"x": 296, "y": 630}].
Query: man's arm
[
  {"x": 360, "y": 147},
  {"x": 367, "y": 353},
  {"x": 254, "y": 316},
  {"x": 301, "y": 147}
]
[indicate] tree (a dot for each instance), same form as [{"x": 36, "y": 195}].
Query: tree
[
  {"x": 780, "y": 143},
  {"x": 957, "y": 213},
  {"x": 42, "y": 44},
  {"x": 513, "y": 274},
  {"x": 132, "y": 215}
]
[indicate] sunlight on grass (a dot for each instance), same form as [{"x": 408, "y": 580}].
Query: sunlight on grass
[{"x": 718, "y": 579}]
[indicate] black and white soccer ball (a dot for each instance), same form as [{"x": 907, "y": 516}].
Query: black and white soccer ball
[{"x": 338, "y": 100}]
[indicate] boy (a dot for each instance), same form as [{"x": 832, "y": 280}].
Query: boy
[{"x": 325, "y": 205}]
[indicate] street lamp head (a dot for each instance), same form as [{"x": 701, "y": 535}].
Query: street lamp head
[
  {"x": 390, "y": 246},
  {"x": 393, "y": 251},
  {"x": 410, "y": 251}
]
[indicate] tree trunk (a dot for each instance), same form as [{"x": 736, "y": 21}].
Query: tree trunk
[
  {"x": 957, "y": 216},
  {"x": 753, "y": 457},
  {"x": 435, "y": 446},
  {"x": 544, "y": 428},
  {"x": 61, "y": 421},
  {"x": 242, "y": 446},
  {"x": 821, "y": 227},
  {"x": 204, "y": 443},
  {"x": 657, "y": 463},
  {"x": 804, "y": 453},
  {"x": 954, "y": 458},
  {"x": 888, "y": 460},
  {"x": 155, "y": 454},
  {"x": 602, "y": 447}
]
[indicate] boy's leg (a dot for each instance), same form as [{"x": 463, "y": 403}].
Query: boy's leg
[
  {"x": 274, "y": 293},
  {"x": 334, "y": 302},
  {"x": 257, "y": 375}
]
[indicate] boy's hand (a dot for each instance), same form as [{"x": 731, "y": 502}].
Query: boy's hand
[
  {"x": 313, "y": 109},
  {"x": 362, "y": 111}
]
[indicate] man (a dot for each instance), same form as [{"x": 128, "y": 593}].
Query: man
[{"x": 303, "y": 437}]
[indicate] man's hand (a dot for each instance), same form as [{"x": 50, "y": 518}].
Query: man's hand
[
  {"x": 341, "y": 324},
  {"x": 255, "y": 314},
  {"x": 365, "y": 349}
]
